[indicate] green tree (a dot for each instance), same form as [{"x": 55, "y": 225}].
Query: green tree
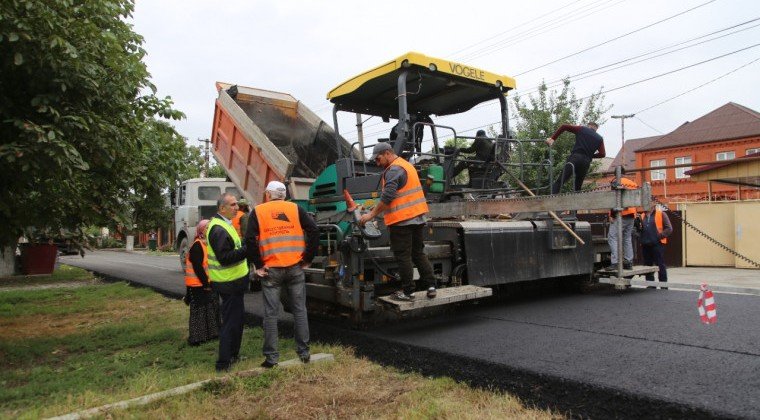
[
  {"x": 193, "y": 163},
  {"x": 216, "y": 171},
  {"x": 459, "y": 143},
  {"x": 79, "y": 142},
  {"x": 539, "y": 116}
]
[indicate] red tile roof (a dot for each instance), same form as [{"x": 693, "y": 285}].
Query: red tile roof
[
  {"x": 730, "y": 121},
  {"x": 629, "y": 149}
]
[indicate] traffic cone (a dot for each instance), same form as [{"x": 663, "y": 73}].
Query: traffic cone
[{"x": 350, "y": 205}]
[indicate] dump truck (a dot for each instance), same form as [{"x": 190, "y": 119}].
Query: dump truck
[
  {"x": 484, "y": 232},
  {"x": 192, "y": 201}
]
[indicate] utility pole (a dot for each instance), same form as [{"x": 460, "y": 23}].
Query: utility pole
[
  {"x": 622, "y": 135},
  {"x": 360, "y": 132},
  {"x": 619, "y": 195},
  {"x": 204, "y": 171}
]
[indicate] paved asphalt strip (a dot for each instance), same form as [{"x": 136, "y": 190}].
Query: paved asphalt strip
[{"x": 631, "y": 354}]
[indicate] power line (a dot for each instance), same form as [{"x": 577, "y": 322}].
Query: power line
[
  {"x": 674, "y": 71},
  {"x": 645, "y": 80},
  {"x": 559, "y": 19},
  {"x": 546, "y": 27},
  {"x": 697, "y": 87},
  {"x": 511, "y": 29},
  {"x": 325, "y": 107},
  {"x": 574, "y": 77},
  {"x": 595, "y": 72},
  {"x": 651, "y": 78},
  {"x": 617, "y": 37},
  {"x": 641, "y": 121}
]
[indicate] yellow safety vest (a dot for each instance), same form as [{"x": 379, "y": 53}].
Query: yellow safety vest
[{"x": 223, "y": 273}]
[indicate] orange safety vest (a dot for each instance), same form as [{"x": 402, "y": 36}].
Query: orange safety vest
[
  {"x": 657, "y": 223},
  {"x": 236, "y": 222},
  {"x": 191, "y": 280},
  {"x": 410, "y": 201},
  {"x": 629, "y": 185},
  {"x": 281, "y": 240}
]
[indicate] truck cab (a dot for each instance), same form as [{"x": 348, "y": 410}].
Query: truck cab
[{"x": 195, "y": 200}]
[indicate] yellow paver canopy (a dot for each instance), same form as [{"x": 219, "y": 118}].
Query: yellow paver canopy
[{"x": 434, "y": 87}]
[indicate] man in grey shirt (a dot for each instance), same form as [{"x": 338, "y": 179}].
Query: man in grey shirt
[{"x": 404, "y": 205}]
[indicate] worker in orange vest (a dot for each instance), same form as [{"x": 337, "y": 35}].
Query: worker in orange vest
[
  {"x": 628, "y": 217},
  {"x": 405, "y": 206},
  {"x": 204, "y": 306},
  {"x": 282, "y": 240},
  {"x": 655, "y": 229},
  {"x": 242, "y": 213}
]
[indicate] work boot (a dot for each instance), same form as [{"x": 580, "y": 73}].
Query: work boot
[
  {"x": 431, "y": 292},
  {"x": 401, "y": 296},
  {"x": 267, "y": 364},
  {"x": 627, "y": 265}
]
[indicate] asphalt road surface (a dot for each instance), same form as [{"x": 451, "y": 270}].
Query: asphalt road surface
[{"x": 633, "y": 354}]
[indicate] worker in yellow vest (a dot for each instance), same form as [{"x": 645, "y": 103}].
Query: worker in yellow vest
[
  {"x": 228, "y": 270},
  {"x": 404, "y": 205},
  {"x": 627, "y": 217},
  {"x": 282, "y": 240},
  {"x": 204, "y": 304}
]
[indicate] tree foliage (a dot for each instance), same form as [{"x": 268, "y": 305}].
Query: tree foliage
[
  {"x": 79, "y": 141},
  {"x": 539, "y": 116}
]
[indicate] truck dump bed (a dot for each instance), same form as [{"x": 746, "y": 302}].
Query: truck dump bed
[{"x": 259, "y": 136}]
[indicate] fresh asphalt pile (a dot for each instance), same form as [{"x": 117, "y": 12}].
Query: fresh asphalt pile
[{"x": 640, "y": 353}]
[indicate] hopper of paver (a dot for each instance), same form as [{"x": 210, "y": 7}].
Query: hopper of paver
[{"x": 260, "y": 135}]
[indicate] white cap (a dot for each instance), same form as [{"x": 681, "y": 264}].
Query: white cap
[{"x": 276, "y": 186}]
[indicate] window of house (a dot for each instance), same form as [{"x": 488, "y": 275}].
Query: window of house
[
  {"x": 680, "y": 172},
  {"x": 232, "y": 190},
  {"x": 752, "y": 151},
  {"x": 725, "y": 155},
  {"x": 657, "y": 174}
]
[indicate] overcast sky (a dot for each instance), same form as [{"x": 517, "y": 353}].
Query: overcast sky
[{"x": 306, "y": 48}]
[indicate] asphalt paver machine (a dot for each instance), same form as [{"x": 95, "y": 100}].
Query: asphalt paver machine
[{"x": 484, "y": 230}]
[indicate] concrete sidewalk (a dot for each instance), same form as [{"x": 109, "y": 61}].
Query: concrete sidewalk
[{"x": 720, "y": 279}]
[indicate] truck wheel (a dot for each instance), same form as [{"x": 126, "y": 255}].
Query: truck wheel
[{"x": 183, "y": 249}]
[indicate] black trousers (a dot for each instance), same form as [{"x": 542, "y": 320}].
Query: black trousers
[
  {"x": 655, "y": 254},
  {"x": 233, "y": 313},
  {"x": 408, "y": 246},
  {"x": 580, "y": 164}
]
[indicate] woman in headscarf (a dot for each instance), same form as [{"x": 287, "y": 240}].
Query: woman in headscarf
[{"x": 204, "y": 305}]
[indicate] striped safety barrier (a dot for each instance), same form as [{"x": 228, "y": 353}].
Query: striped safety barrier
[{"x": 708, "y": 311}]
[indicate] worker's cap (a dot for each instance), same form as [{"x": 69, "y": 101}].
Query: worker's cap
[
  {"x": 242, "y": 202},
  {"x": 480, "y": 133},
  {"x": 276, "y": 186},
  {"x": 380, "y": 148}
]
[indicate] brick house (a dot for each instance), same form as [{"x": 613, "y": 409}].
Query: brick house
[{"x": 729, "y": 132}]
